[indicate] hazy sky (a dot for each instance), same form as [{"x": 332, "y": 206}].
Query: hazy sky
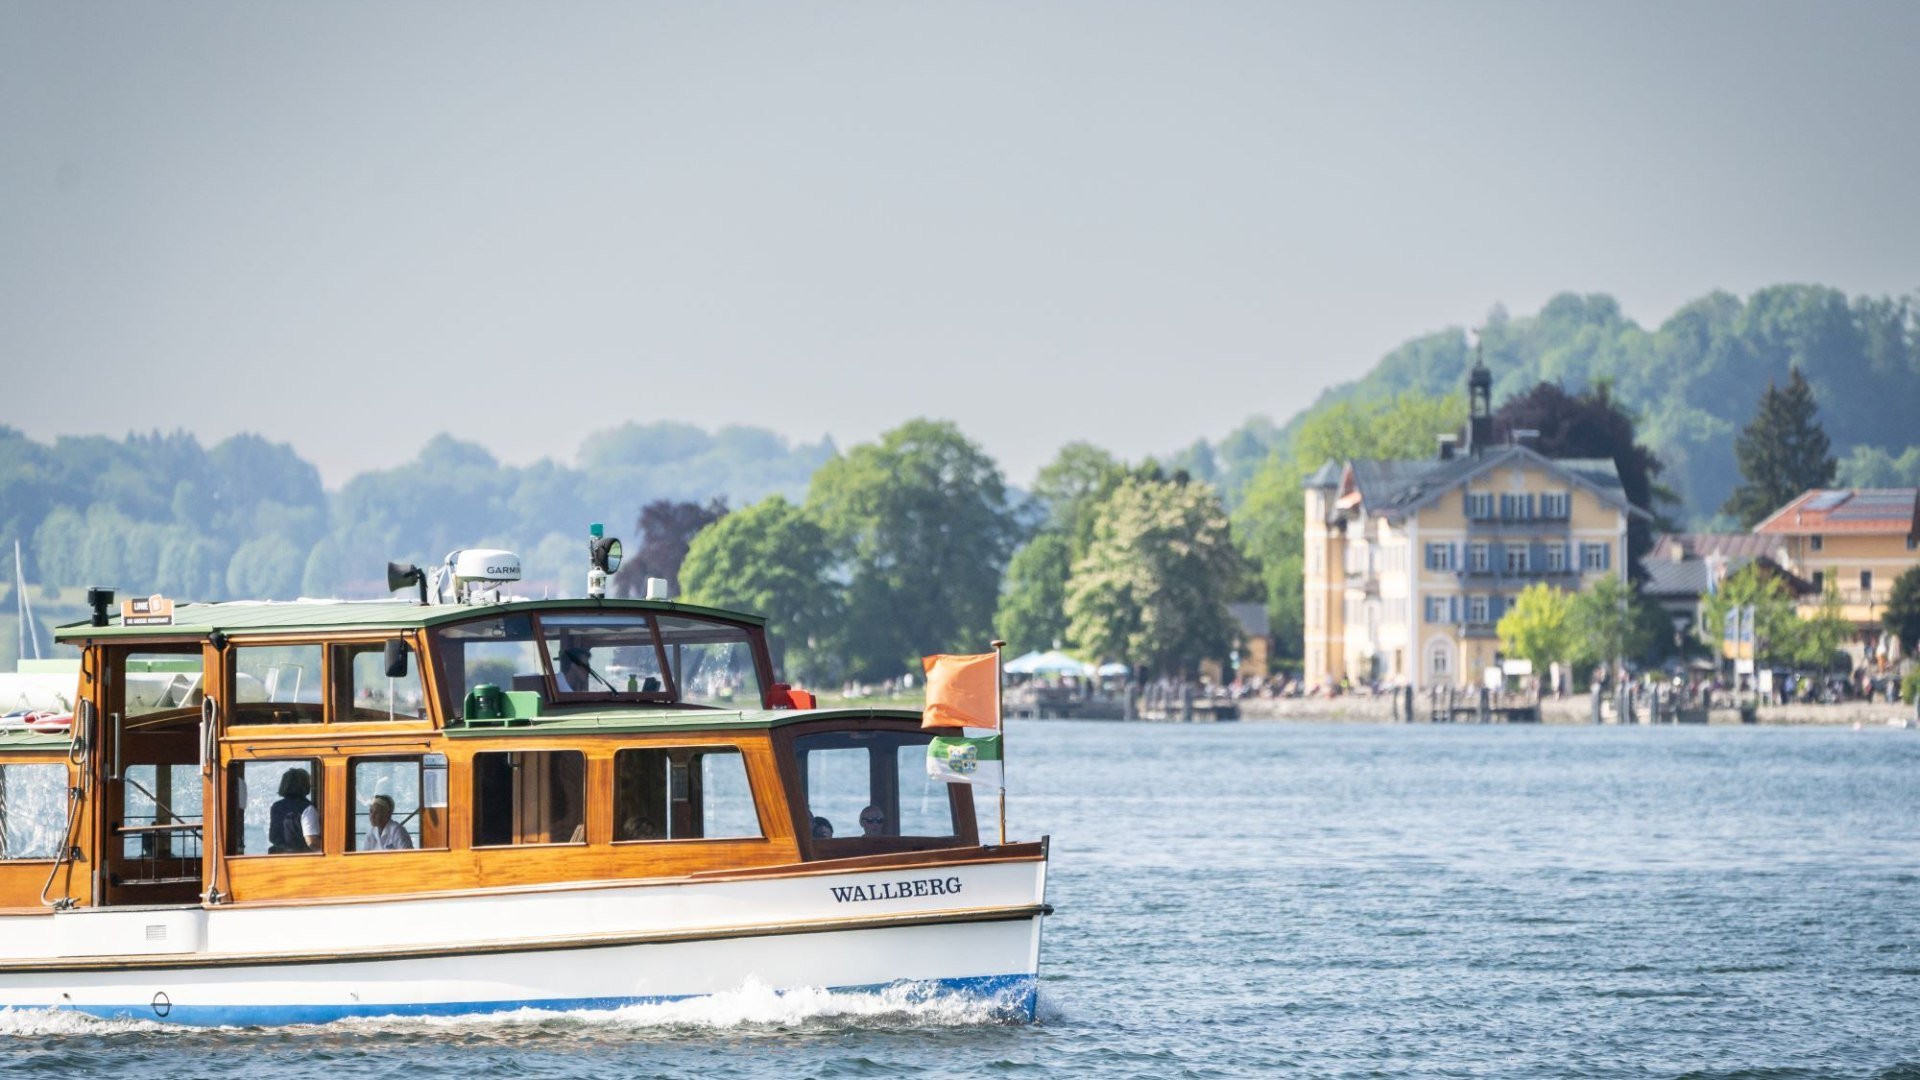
[{"x": 352, "y": 225}]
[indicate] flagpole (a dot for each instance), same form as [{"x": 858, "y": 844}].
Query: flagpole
[{"x": 1000, "y": 725}]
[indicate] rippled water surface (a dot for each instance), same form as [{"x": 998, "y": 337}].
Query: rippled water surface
[{"x": 1315, "y": 901}]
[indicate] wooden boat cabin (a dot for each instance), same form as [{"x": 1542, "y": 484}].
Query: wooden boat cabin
[{"x": 271, "y": 753}]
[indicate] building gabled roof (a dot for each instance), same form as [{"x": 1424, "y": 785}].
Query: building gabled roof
[
  {"x": 1737, "y": 548},
  {"x": 1326, "y": 476},
  {"x": 1847, "y": 510},
  {"x": 1395, "y": 488}
]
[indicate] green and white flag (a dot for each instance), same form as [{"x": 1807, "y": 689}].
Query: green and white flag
[{"x": 965, "y": 761}]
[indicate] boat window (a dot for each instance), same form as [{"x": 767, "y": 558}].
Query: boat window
[
  {"x": 273, "y": 806},
  {"x": 160, "y": 818},
  {"x": 682, "y": 794},
  {"x": 363, "y": 691},
  {"x": 412, "y": 796},
  {"x": 498, "y": 652},
  {"x": 925, "y": 809},
  {"x": 33, "y": 810},
  {"x": 872, "y": 783},
  {"x": 275, "y": 684},
  {"x": 712, "y": 663},
  {"x": 160, "y": 682},
  {"x": 600, "y": 655},
  {"x": 529, "y": 797}
]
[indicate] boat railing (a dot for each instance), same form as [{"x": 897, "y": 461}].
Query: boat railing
[{"x": 168, "y": 853}]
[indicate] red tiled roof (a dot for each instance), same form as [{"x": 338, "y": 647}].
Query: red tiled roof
[
  {"x": 1738, "y": 546},
  {"x": 1847, "y": 510}
]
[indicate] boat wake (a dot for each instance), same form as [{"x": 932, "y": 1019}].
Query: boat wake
[{"x": 747, "y": 1008}]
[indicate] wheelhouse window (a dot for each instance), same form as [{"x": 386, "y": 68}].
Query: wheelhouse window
[
  {"x": 682, "y": 794},
  {"x": 502, "y": 652},
  {"x": 277, "y": 684},
  {"x": 364, "y": 692},
  {"x": 873, "y": 784},
  {"x": 587, "y": 657},
  {"x": 599, "y": 655},
  {"x": 274, "y": 807},
  {"x": 33, "y": 810},
  {"x": 399, "y": 803},
  {"x": 523, "y": 797},
  {"x": 712, "y": 663}
]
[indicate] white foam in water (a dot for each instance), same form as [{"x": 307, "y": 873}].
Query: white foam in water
[
  {"x": 42, "y": 1022},
  {"x": 751, "y": 1005}
]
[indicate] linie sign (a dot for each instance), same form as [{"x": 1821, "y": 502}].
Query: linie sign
[{"x": 155, "y": 610}]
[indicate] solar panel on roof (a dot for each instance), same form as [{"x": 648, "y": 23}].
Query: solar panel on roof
[{"x": 1827, "y": 500}]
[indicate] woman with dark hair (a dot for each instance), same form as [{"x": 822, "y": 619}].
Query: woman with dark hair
[{"x": 293, "y": 823}]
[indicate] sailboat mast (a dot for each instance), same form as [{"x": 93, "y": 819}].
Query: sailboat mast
[{"x": 29, "y": 629}]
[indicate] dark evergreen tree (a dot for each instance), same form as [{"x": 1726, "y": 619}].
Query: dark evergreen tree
[
  {"x": 666, "y": 528},
  {"x": 1782, "y": 452},
  {"x": 1902, "y": 617},
  {"x": 1591, "y": 424}
]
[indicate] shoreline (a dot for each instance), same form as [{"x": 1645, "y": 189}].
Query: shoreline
[{"x": 1576, "y": 709}]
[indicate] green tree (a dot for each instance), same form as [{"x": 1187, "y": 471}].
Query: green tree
[
  {"x": 1608, "y": 622},
  {"x": 921, "y": 522},
  {"x": 1814, "y": 639},
  {"x": 1154, "y": 584},
  {"x": 770, "y": 559},
  {"x": 1902, "y": 617},
  {"x": 1033, "y": 612},
  {"x": 1070, "y": 488},
  {"x": 266, "y": 568},
  {"x": 1782, "y": 452},
  {"x": 1539, "y": 626},
  {"x": 1777, "y": 634}
]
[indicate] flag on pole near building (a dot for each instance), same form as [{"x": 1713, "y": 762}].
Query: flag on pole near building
[
  {"x": 965, "y": 761},
  {"x": 962, "y": 692}
]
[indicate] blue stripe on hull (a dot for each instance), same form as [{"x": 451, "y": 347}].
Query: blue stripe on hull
[{"x": 1018, "y": 995}]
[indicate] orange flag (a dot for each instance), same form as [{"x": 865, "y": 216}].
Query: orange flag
[{"x": 962, "y": 692}]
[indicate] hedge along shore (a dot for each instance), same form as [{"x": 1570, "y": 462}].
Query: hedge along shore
[{"x": 1576, "y": 709}]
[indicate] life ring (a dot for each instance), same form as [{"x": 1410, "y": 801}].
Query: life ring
[{"x": 50, "y": 723}]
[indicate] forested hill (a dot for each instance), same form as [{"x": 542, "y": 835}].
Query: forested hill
[
  {"x": 1693, "y": 383},
  {"x": 249, "y": 518}
]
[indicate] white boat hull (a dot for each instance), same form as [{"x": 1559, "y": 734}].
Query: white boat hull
[{"x": 597, "y": 946}]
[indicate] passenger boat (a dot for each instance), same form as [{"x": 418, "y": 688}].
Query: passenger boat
[{"x": 462, "y": 803}]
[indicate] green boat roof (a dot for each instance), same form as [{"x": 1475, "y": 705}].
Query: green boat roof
[
  {"x": 17, "y": 739},
  {"x": 324, "y": 616},
  {"x": 675, "y": 720}
]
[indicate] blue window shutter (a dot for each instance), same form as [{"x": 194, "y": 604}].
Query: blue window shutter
[
  {"x": 1537, "y": 557},
  {"x": 1606, "y": 556}
]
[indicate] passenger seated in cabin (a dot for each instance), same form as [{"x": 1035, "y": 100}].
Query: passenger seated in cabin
[
  {"x": 383, "y": 833},
  {"x": 293, "y": 823},
  {"x": 873, "y": 822},
  {"x": 822, "y": 828}
]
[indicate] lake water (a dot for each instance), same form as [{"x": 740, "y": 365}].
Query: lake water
[{"x": 1324, "y": 901}]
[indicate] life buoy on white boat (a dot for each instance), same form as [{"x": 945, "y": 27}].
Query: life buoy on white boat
[{"x": 49, "y": 723}]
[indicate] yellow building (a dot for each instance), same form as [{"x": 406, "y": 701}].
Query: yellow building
[
  {"x": 1410, "y": 564},
  {"x": 1855, "y": 541}
]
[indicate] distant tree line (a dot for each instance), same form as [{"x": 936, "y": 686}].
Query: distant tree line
[
  {"x": 1690, "y": 384},
  {"x": 249, "y": 518},
  {"x": 915, "y": 543}
]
